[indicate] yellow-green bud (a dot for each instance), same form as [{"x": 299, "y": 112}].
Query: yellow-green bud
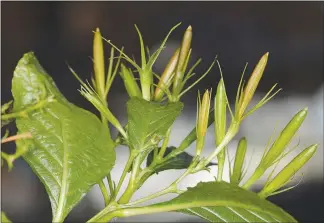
[
  {"x": 202, "y": 121},
  {"x": 184, "y": 51},
  {"x": 288, "y": 171},
  {"x": 284, "y": 138},
  {"x": 130, "y": 82},
  {"x": 166, "y": 77},
  {"x": 99, "y": 63},
  {"x": 252, "y": 85},
  {"x": 236, "y": 175},
  {"x": 220, "y": 125},
  {"x": 278, "y": 147}
]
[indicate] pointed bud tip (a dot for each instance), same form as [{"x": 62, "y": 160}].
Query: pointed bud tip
[
  {"x": 265, "y": 57},
  {"x": 304, "y": 111},
  {"x": 97, "y": 29},
  {"x": 189, "y": 28}
]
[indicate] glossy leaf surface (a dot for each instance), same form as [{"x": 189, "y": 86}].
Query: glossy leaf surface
[
  {"x": 224, "y": 202},
  {"x": 71, "y": 149},
  {"x": 217, "y": 202},
  {"x": 149, "y": 121}
]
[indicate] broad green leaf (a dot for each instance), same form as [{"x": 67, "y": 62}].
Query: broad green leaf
[
  {"x": 224, "y": 202},
  {"x": 71, "y": 149},
  {"x": 216, "y": 202},
  {"x": 4, "y": 218},
  {"x": 149, "y": 121},
  {"x": 181, "y": 161}
]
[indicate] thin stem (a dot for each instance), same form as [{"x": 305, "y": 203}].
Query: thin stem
[
  {"x": 233, "y": 129},
  {"x": 104, "y": 192},
  {"x": 111, "y": 59},
  {"x": 132, "y": 181},
  {"x": 165, "y": 144},
  {"x": 127, "y": 167},
  {"x": 26, "y": 135},
  {"x": 23, "y": 113},
  {"x": 171, "y": 189},
  {"x": 110, "y": 184},
  {"x": 104, "y": 212},
  {"x": 221, "y": 162}
]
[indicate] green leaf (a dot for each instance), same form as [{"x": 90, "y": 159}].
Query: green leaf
[
  {"x": 224, "y": 202},
  {"x": 4, "y": 218},
  {"x": 149, "y": 121},
  {"x": 71, "y": 149},
  {"x": 216, "y": 202},
  {"x": 181, "y": 161}
]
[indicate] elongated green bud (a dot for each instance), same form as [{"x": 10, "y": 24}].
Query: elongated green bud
[
  {"x": 277, "y": 147},
  {"x": 99, "y": 63},
  {"x": 252, "y": 85},
  {"x": 183, "y": 56},
  {"x": 220, "y": 112},
  {"x": 202, "y": 122},
  {"x": 220, "y": 124},
  {"x": 130, "y": 82},
  {"x": 166, "y": 77},
  {"x": 288, "y": 171},
  {"x": 284, "y": 138},
  {"x": 236, "y": 175}
]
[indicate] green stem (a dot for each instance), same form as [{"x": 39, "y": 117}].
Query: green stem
[
  {"x": 110, "y": 183},
  {"x": 165, "y": 144},
  {"x": 104, "y": 212},
  {"x": 145, "y": 174},
  {"x": 24, "y": 112},
  {"x": 171, "y": 189},
  {"x": 131, "y": 188},
  {"x": 232, "y": 131},
  {"x": 104, "y": 192},
  {"x": 132, "y": 155},
  {"x": 220, "y": 163}
]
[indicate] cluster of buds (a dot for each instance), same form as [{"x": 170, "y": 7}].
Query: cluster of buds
[
  {"x": 277, "y": 152},
  {"x": 286, "y": 174},
  {"x": 176, "y": 73},
  {"x": 175, "y": 70}
]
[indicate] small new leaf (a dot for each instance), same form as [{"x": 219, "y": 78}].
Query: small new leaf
[{"x": 148, "y": 122}]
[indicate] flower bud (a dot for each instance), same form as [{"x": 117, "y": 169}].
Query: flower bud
[
  {"x": 284, "y": 138},
  {"x": 183, "y": 56},
  {"x": 220, "y": 125},
  {"x": 99, "y": 63},
  {"x": 277, "y": 147},
  {"x": 252, "y": 84},
  {"x": 220, "y": 112},
  {"x": 288, "y": 171},
  {"x": 236, "y": 175},
  {"x": 166, "y": 77},
  {"x": 130, "y": 82},
  {"x": 202, "y": 121}
]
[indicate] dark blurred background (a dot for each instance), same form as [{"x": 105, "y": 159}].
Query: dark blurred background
[{"x": 237, "y": 32}]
